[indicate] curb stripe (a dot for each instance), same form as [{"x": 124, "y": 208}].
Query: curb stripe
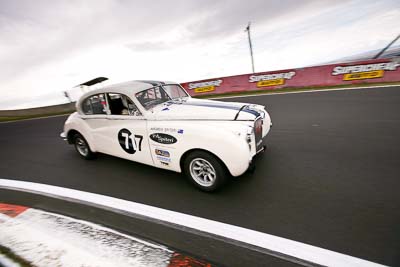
[
  {"x": 12, "y": 210},
  {"x": 284, "y": 248},
  {"x": 41, "y": 238}
]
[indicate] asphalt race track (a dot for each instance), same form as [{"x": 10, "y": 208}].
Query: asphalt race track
[{"x": 330, "y": 176}]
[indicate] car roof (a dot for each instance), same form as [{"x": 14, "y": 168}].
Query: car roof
[{"x": 127, "y": 88}]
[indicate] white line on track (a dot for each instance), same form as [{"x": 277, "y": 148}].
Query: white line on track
[
  {"x": 292, "y": 249},
  {"x": 38, "y": 118},
  {"x": 307, "y": 91}
]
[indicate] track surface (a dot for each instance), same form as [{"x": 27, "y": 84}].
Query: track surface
[{"x": 330, "y": 176}]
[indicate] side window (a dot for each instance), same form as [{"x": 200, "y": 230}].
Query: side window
[
  {"x": 122, "y": 105},
  {"x": 95, "y": 105}
]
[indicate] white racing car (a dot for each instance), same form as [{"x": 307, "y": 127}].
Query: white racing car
[{"x": 159, "y": 124}]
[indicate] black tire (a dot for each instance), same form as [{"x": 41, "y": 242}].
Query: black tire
[
  {"x": 211, "y": 165},
  {"x": 82, "y": 147}
]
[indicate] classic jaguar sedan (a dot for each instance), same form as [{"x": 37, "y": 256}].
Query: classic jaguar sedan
[{"x": 159, "y": 124}]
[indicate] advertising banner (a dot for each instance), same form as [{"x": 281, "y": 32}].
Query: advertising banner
[{"x": 371, "y": 71}]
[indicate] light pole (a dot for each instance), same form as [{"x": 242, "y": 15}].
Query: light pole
[
  {"x": 68, "y": 96},
  {"x": 386, "y": 47},
  {"x": 251, "y": 47}
]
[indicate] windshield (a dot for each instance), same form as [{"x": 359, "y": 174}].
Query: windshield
[
  {"x": 174, "y": 91},
  {"x": 160, "y": 94}
]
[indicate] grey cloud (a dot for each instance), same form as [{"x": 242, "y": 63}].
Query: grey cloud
[
  {"x": 207, "y": 20},
  {"x": 228, "y": 17},
  {"x": 35, "y": 33},
  {"x": 149, "y": 46}
]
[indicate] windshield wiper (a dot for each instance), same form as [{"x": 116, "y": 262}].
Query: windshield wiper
[{"x": 237, "y": 114}]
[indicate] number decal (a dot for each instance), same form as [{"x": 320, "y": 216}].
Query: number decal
[
  {"x": 140, "y": 137},
  {"x": 127, "y": 140}
]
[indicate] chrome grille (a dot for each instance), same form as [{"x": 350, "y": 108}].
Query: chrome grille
[{"x": 258, "y": 131}]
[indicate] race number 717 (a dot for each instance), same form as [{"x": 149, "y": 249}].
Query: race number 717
[
  {"x": 132, "y": 137},
  {"x": 128, "y": 141}
]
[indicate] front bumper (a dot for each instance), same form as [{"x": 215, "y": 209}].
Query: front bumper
[
  {"x": 261, "y": 149},
  {"x": 63, "y": 136}
]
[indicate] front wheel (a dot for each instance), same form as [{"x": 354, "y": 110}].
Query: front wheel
[
  {"x": 205, "y": 171},
  {"x": 82, "y": 147}
]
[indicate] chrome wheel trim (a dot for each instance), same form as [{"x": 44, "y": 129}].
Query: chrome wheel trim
[
  {"x": 81, "y": 146},
  {"x": 202, "y": 172}
]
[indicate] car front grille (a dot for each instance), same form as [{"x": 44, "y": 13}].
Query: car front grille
[{"x": 258, "y": 131}]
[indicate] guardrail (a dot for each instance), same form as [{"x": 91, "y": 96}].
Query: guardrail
[{"x": 370, "y": 71}]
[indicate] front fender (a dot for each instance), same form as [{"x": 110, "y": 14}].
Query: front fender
[{"x": 231, "y": 148}]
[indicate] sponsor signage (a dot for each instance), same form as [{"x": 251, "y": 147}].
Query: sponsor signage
[
  {"x": 274, "y": 79},
  {"x": 202, "y": 87},
  {"x": 364, "y": 71},
  {"x": 163, "y": 138},
  {"x": 162, "y": 153},
  {"x": 167, "y": 130},
  {"x": 368, "y": 71}
]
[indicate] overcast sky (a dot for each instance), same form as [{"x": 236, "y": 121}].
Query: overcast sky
[{"x": 50, "y": 46}]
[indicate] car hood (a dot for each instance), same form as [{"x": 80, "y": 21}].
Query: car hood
[{"x": 199, "y": 109}]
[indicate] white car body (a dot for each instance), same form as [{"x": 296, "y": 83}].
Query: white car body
[{"x": 162, "y": 135}]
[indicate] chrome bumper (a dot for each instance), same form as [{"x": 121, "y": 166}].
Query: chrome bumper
[
  {"x": 63, "y": 136},
  {"x": 261, "y": 149}
]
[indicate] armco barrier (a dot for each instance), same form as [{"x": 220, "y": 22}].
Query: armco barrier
[{"x": 371, "y": 71}]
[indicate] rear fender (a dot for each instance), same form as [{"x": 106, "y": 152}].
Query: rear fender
[{"x": 75, "y": 123}]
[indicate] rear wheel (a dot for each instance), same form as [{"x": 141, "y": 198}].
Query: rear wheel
[
  {"x": 82, "y": 147},
  {"x": 205, "y": 171}
]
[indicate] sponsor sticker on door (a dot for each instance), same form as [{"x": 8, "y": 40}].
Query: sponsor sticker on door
[{"x": 163, "y": 138}]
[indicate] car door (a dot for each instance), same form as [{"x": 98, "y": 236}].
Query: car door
[
  {"x": 95, "y": 112},
  {"x": 127, "y": 130}
]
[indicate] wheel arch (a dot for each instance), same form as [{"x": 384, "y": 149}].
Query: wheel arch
[
  {"x": 188, "y": 152},
  {"x": 70, "y": 138},
  {"x": 70, "y": 135}
]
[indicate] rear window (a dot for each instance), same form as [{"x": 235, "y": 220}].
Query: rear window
[{"x": 94, "y": 105}]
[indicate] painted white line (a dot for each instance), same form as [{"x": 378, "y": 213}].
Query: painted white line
[
  {"x": 38, "y": 118},
  {"x": 307, "y": 91},
  {"x": 48, "y": 239},
  {"x": 269, "y": 242}
]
